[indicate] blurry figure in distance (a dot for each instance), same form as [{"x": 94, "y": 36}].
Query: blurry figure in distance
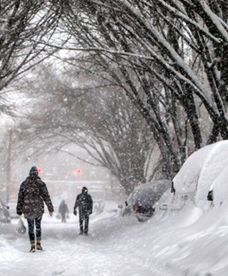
[
  {"x": 4, "y": 212},
  {"x": 173, "y": 190},
  {"x": 63, "y": 210},
  {"x": 210, "y": 196},
  {"x": 127, "y": 209}
]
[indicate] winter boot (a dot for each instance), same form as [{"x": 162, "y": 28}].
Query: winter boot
[
  {"x": 38, "y": 246},
  {"x": 33, "y": 248}
]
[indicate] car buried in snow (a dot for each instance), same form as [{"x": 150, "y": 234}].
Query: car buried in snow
[{"x": 141, "y": 202}]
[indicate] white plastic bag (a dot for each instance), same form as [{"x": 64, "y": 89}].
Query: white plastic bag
[{"x": 21, "y": 229}]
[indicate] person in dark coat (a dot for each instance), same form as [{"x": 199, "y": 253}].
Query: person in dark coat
[
  {"x": 173, "y": 190},
  {"x": 84, "y": 203},
  {"x": 63, "y": 210},
  {"x": 32, "y": 195}
]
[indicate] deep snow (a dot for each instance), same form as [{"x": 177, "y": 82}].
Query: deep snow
[
  {"x": 190, "y": 238},
  {"x": 108, "y": 250},
  {"x": 171, "y": 243}
]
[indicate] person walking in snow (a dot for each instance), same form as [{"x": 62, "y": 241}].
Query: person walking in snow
[
  {"x": 210, "y": 196},
  {"x": 32, "y": 195},
  {"x": 84, "y": 203},
  {"x": 63, "y": 210},
  {"x": 173, "y": 190}
]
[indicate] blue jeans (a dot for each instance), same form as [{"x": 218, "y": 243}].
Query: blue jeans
[{"x": 31, "y": 223}]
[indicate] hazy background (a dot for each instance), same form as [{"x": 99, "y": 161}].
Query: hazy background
[{"x": 64, "y": 174}]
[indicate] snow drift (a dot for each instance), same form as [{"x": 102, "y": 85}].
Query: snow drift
[{"x": 205, "y": 169}]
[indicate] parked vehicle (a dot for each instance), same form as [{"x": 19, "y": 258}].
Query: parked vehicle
[{"x": 144, "y": 197}]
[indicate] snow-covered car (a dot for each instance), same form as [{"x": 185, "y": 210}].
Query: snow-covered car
[
  {"x": 144, "y": 197},
  {"x": 4, "y": 213},
  {"x": 205, "y": 170}
]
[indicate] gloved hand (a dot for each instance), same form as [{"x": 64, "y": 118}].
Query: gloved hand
[
  {"x": 50, "y": 214},
  {"x": 19, "y": 213},
  {"x": 75, "y": 212},
  {"x": 89, "y": 212}
]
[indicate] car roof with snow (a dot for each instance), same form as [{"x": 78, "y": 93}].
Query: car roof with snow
[{"x": 149, "y": 193}]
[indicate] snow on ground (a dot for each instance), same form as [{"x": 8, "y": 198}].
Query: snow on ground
[
  {"x": 190, "y": 238},
  {"x": 106, "y": 251},
  {"x": 171, "y": 243}
]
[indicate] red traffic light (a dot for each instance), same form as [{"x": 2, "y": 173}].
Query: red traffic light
[
  {"x": 78, "y": 171},
  {"x": 40, "y": 170}
]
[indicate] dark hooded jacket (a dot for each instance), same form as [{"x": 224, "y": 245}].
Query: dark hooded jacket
[
  {"x": 85, "y": 203},
  {"x": 32, "y": 195}
]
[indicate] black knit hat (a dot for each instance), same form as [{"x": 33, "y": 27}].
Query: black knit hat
[
  {"x": 33, "y": 171},
  {"x": 84, "y": 190}
]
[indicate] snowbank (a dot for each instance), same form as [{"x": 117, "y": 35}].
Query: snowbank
[{"x": 207, "y": 168}]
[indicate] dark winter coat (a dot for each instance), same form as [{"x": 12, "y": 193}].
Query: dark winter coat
[
  {"x": 32, "y": 195},
  {"x": 63, "y": 208},
  {"x": 210, "y": 195},
  {"x": 85, "y": 204}
]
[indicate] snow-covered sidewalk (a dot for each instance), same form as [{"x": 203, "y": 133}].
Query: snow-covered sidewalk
[
  {"x": 179, "y": 243},
  {"x": 108, "y": 250}
]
